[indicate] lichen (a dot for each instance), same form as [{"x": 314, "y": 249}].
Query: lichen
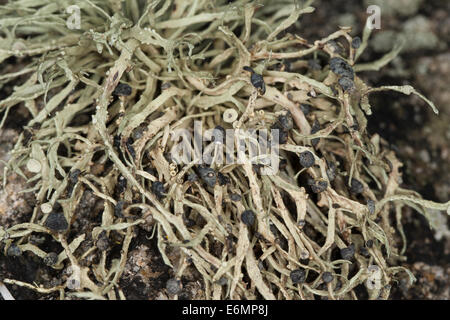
[{"x": 177, "y": 62}]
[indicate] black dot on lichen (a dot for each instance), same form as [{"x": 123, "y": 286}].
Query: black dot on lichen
[
  {"x": 286, "y": 122},
  {"x": 348, "y": 253},
  {"x": 208, "y": 175},
  {"x": 118, "y": 209},
  {"x": 56, "y": 222},
  {"x": 306, "y": 108},
  {"x": 327, "y": 277},
  {"x": 298, "y": 276},
  {"x": 356, "y": 42},
  {"x": 257, "y": 80},
  {"x": 248, "y": 217},
  {"x": 50, "y": 259},
  {"x": 223, "y": 179},
  {"x": 173, "y": 286},
  {"x": 356, "y": 186},
  {"x": 318, "y": 186},
  {"x": 235, "y": 197},
  {"x": 307, "y": 159},
  {"x": 122, "y": 89},
  {"x": 340, "y": 67},
  {"x": 346, "y": 84},
  {"x": 158, "y": 189}
]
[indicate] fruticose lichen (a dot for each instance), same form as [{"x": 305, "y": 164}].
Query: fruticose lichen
[{"x": 328, "y": 221}]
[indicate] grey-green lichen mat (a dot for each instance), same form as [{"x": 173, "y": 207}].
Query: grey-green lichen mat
[{"x": 105, "y": 98}]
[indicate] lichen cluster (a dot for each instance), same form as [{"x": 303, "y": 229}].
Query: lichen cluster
[{"x": 104, "y": 100}]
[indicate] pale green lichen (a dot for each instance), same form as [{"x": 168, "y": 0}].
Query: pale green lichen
[{"x": 196, "y": 47}]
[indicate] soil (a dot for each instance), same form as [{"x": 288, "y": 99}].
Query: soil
[{"x": 420, "y": 138}]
